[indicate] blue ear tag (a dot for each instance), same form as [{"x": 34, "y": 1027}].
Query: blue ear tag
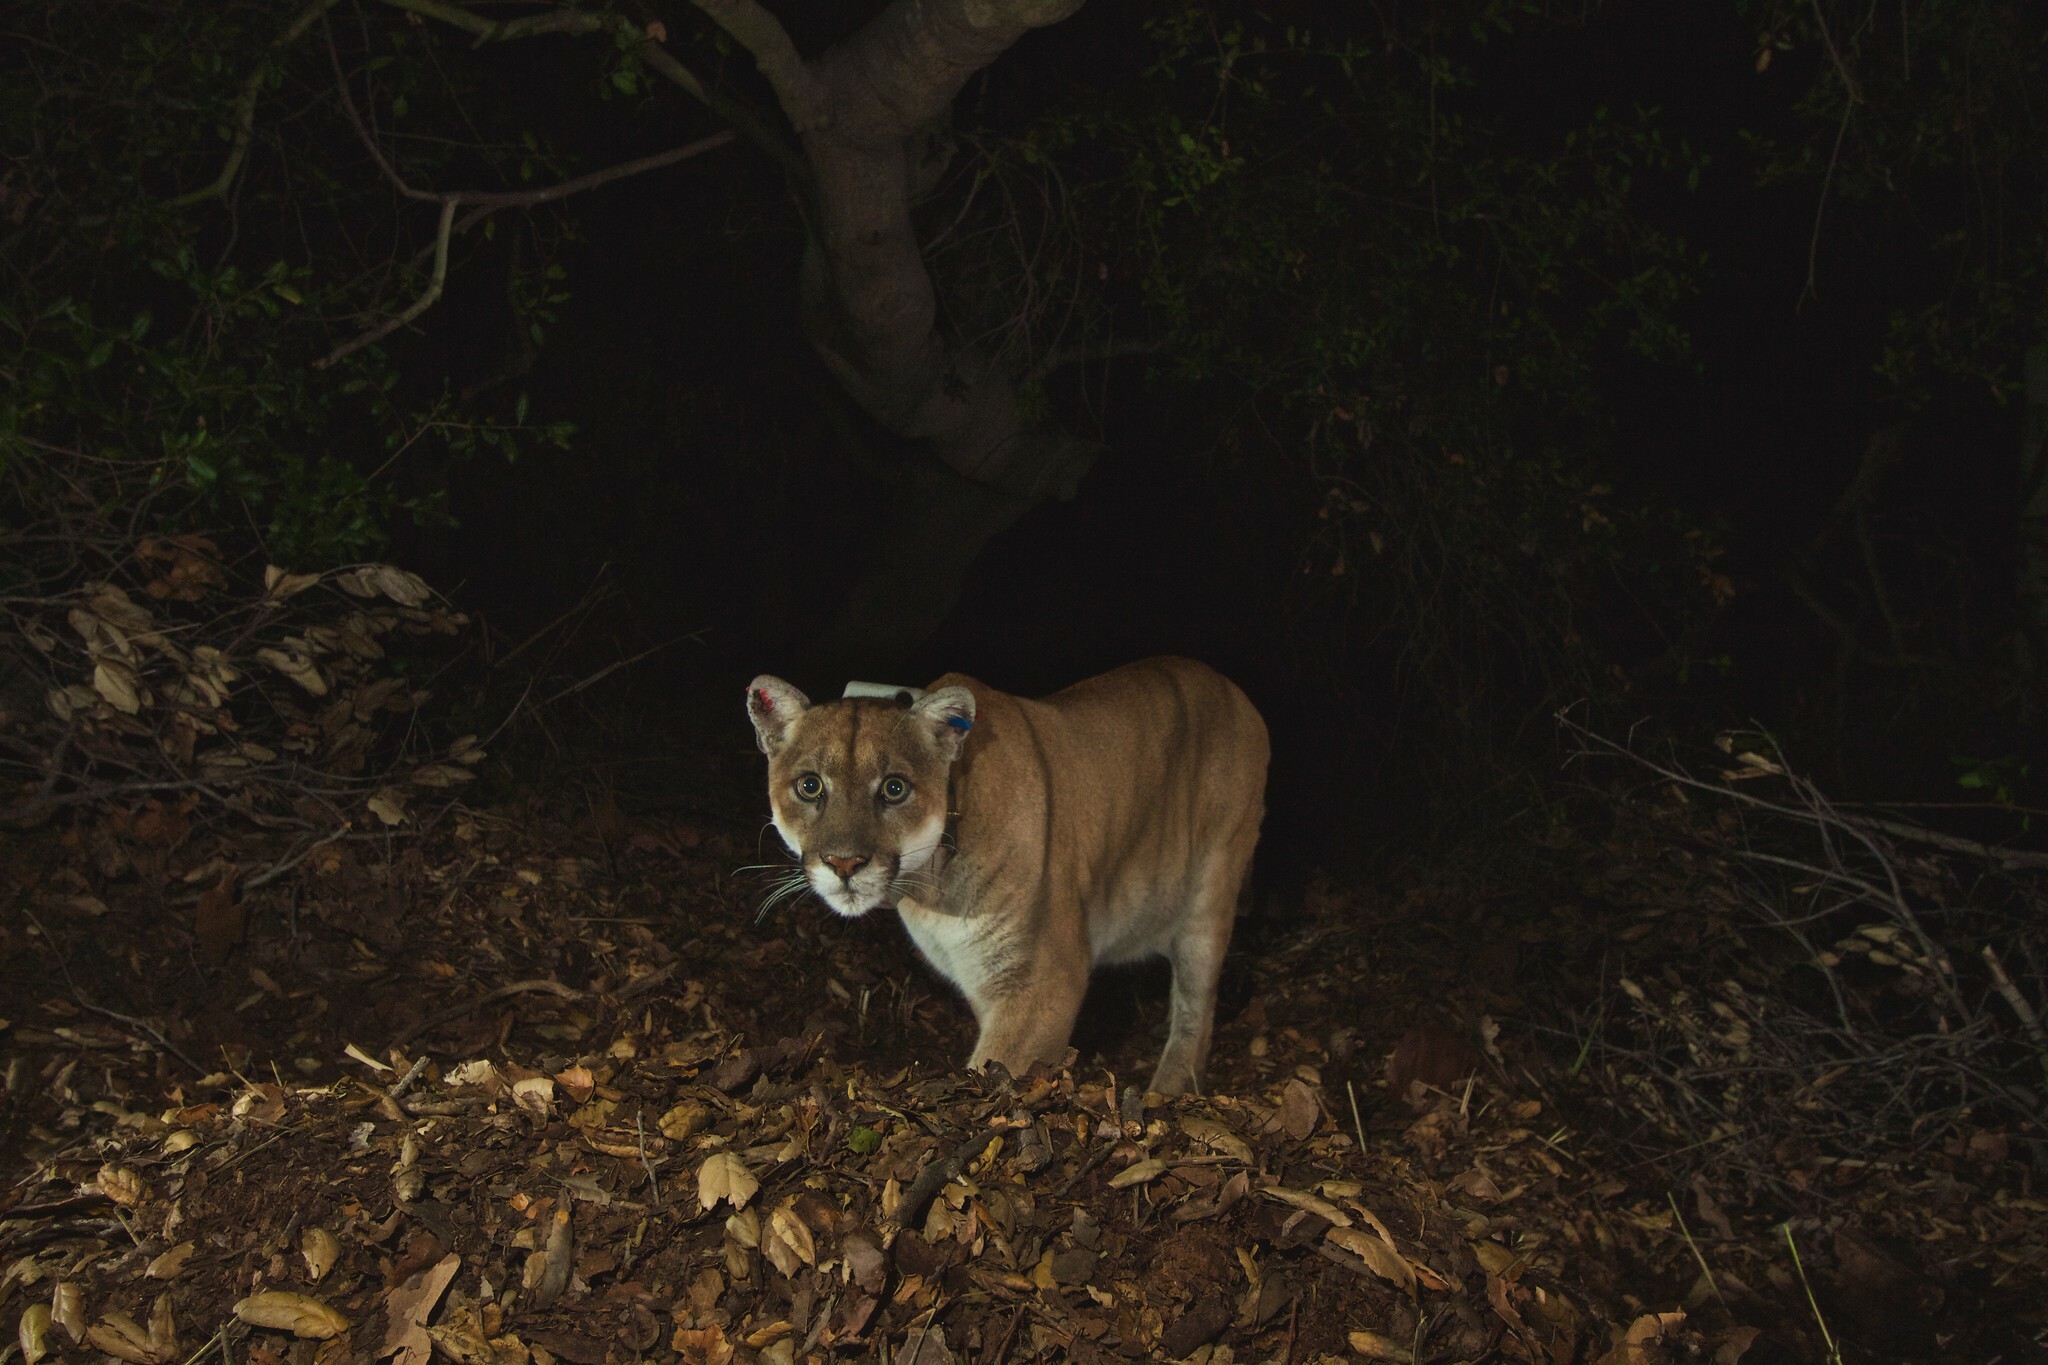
[{"x": 961, "y": 723}]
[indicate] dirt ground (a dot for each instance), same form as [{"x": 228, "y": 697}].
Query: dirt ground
[{"x": 537, "y": 1087}]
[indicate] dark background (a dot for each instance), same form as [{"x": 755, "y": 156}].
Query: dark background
[{"x": 707, "y": 481}]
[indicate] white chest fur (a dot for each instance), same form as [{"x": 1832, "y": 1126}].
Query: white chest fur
[{"x": 955, "y": 945}]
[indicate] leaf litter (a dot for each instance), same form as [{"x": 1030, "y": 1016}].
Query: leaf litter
[{"x": 506, "y": 1104}]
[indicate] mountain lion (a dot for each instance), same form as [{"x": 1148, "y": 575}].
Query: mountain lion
[{"x": 1023, "y": 842}]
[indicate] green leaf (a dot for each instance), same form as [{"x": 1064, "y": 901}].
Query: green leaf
[{"x": 863, "y": 1141}]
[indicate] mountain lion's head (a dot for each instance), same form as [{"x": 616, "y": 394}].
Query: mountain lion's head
[{"x": 859, "y": 787}]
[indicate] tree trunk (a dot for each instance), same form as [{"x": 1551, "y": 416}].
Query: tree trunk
[{"x": 868, "y": 110}]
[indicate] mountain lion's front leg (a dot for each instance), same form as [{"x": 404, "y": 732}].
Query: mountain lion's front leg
[{"x": 1031, "y": 1022}]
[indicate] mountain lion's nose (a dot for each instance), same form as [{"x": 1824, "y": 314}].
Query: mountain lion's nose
[{"x": 846, "y": 867}]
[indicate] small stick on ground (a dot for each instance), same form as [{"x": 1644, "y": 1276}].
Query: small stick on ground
[
  {"x": 1834, "y": 1356},
  {"x": 1693, "y": 1247},
  {"x": 640, "y": 1140},
  {"x": 539, "y": 983},
  {"x": 933, "y": 1178}
]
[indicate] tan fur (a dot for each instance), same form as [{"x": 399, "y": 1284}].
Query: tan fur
[{"x": 1110, "y": 822}]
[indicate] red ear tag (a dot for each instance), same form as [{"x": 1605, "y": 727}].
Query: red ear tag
[{"x": 761, "y": 695}]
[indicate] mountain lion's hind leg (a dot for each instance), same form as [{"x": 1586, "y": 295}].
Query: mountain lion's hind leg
[{"x": 1197, "y": 958}]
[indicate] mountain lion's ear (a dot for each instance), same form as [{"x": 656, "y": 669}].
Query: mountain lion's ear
[
  {"x": 949, "y": 712},
  {"x": 773, "y": 705}
]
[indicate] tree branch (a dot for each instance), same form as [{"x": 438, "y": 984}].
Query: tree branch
[
  {"x": 419, "y": 305},
  {"x": 803, "y": 98},
  {"x": 485, "y": 200},
  {"x": 245, "y": 107},
  {"x": 579, "y": 22},
  {"x": 503, "y": 30},
  {"x": 498, "y": 199}
]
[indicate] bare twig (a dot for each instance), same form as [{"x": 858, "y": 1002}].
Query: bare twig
[
  {"x": 1693, "y": 1247},
  {"x": 1714, "y": 1055},
  {"x": 245, "y": 106},
  {"x": 2004, "y": 857},
  {"x": 412, "y": 1073},
  {"x": 511, "y": 988},
  {"x": 297, "y": 856},
  {"x": 419, "y": 305},
  {"x": 617, "y": 664},
  {"x": 744, "y": 120},
  {"x": 1834, "y": 1352},
  {"x": 2001, "y": 981},
  {"x": 64, "y": 967}
]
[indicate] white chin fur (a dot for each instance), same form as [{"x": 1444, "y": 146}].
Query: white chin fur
[{"x": 850, "y": 901}]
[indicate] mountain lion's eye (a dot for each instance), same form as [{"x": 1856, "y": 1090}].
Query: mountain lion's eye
[
  {"x": 894, "y": 790},
  {"x": 810, "y": 787}
]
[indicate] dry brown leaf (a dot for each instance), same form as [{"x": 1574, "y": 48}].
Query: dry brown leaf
[
  {"x": 320, "y": 1249},
  {"x": 1217, "y": 1137},
  {"x": 703, "y": 1346},
  {"x": 534, "y": 1094},
  {"x": 297, "y": 666},
  {"x": 66, "y": 702},
  {"x": 547, "y": 1270},
  {"x": 1373, "y": 1346},
  {"x": 725, "y": 1176},
  {"x": 1635, "y": 1347},
  {"x": 1138, "y": 1173},
  {"x": 595, "y": 1114},
  {"x": 461, "y": 1338},
  {"x": 33, "y": 1332},
  {"x": 577, "y": 1081},
  {"x": 407, "y": 1309},
  {"x": 67, "y": 1309},
  {"x": 219, "y": 919},
  {"x": 123, "y": 1338},
  {"x": 684, "y": 1121},
  {"x": 1498, "y": 1260},
  {"x": 1302, "y": 1199},
  {"x": 170, "y": 1263},
  {"x": 1500, "y": 1296},
  {"x": 406, "y": 589},
  {"x": 1735, "y": 1344},
  {"x": 192, "y": 567},
  {"x": 279, "y": 585},
  {"x": 118, "y": 685},
  {"x": 163, "y": 1330},
  {"x": 1383, "y": 1260},
  {"x": 388, "y": 805},
  {"x": 1299, "y": 1112},
  {"x": 113, "y": 606},
  {"x": 122, "y": 1185},
  {"x": 786, "y": 1241},
  {"x": 300, "y": 1314}
]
